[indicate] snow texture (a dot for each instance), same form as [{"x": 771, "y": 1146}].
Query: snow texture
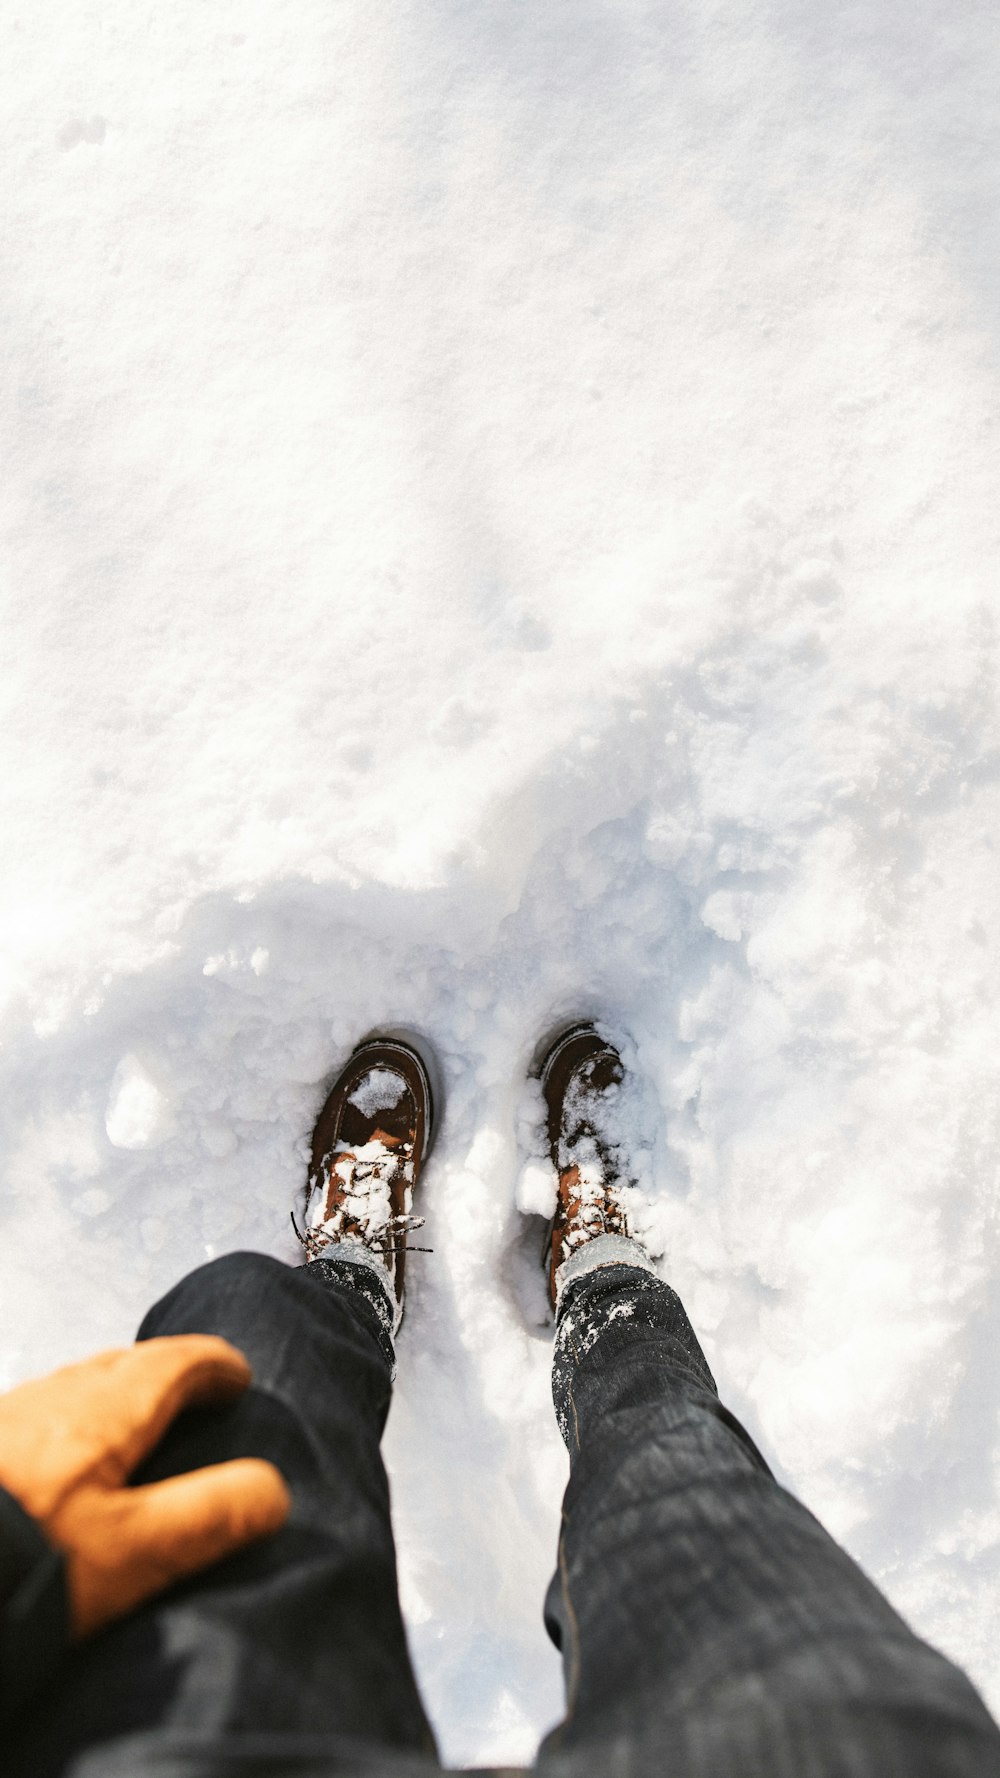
[
  {"x": 500, "y": 525},
  {"x": 378, "y": 1090}
]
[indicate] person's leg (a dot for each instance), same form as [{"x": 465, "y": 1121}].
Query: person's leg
[
  {"x": 296, "y": 1644},
  {"x": 709, "y": 1625}
]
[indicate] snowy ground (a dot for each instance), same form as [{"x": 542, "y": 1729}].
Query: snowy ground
[{"x": 500, "y": 522}]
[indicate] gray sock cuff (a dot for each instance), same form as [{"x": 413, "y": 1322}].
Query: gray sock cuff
[
  {"x": 603, "y": 1250},
  {"x": 355, "y": 1253}
]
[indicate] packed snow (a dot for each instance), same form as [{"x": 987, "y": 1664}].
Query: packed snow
[
  {"x": 500, "y": 525},
  {"x": 379, "y": 1090}
]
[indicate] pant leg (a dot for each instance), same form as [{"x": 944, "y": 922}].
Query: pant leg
[
  {"x": 710, "y": 1627},
  {"x": 296, "y": 1642}
]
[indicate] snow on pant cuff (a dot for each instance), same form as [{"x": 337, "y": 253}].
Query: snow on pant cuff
[
  {"x": 621, "y": 1334},
  {"x": 354, "y": 1264},
  {"x": 603, "y": 1250}
]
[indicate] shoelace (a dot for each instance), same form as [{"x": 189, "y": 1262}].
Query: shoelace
[
  {"x": 345, "y": 1225},
  {"x": 317, "y": 1240},
  {"x": 597, "y": 1211},
  {"x": 605, "y": 1218}
]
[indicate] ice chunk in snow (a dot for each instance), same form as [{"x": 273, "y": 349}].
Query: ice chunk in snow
[
  {"x": 139, "y": 1115},
  {"x": 536, "y": 1188}
]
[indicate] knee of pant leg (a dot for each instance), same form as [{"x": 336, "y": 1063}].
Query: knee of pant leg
[{"x": 212, "y": 1292}]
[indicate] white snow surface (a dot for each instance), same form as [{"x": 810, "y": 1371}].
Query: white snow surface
[
  {"x": 378, "y": 1090},
  {"x": 500, "y": 524}
]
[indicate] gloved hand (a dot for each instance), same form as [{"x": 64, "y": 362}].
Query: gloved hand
[{"x": 68, "y": 1443}]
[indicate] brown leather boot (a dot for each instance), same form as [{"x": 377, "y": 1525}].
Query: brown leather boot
[
  {"x": 580, "y": 1077},
  {"x": 369, "y": 1144}
]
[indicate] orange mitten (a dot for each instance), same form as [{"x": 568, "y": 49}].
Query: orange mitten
[{"x": 69, "y": 1442}]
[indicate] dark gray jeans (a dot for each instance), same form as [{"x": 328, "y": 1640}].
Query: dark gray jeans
[{"x": 709, "y": 1626}]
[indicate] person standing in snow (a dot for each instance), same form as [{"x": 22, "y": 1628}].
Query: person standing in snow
[{"x": 197, "y": 1570}]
